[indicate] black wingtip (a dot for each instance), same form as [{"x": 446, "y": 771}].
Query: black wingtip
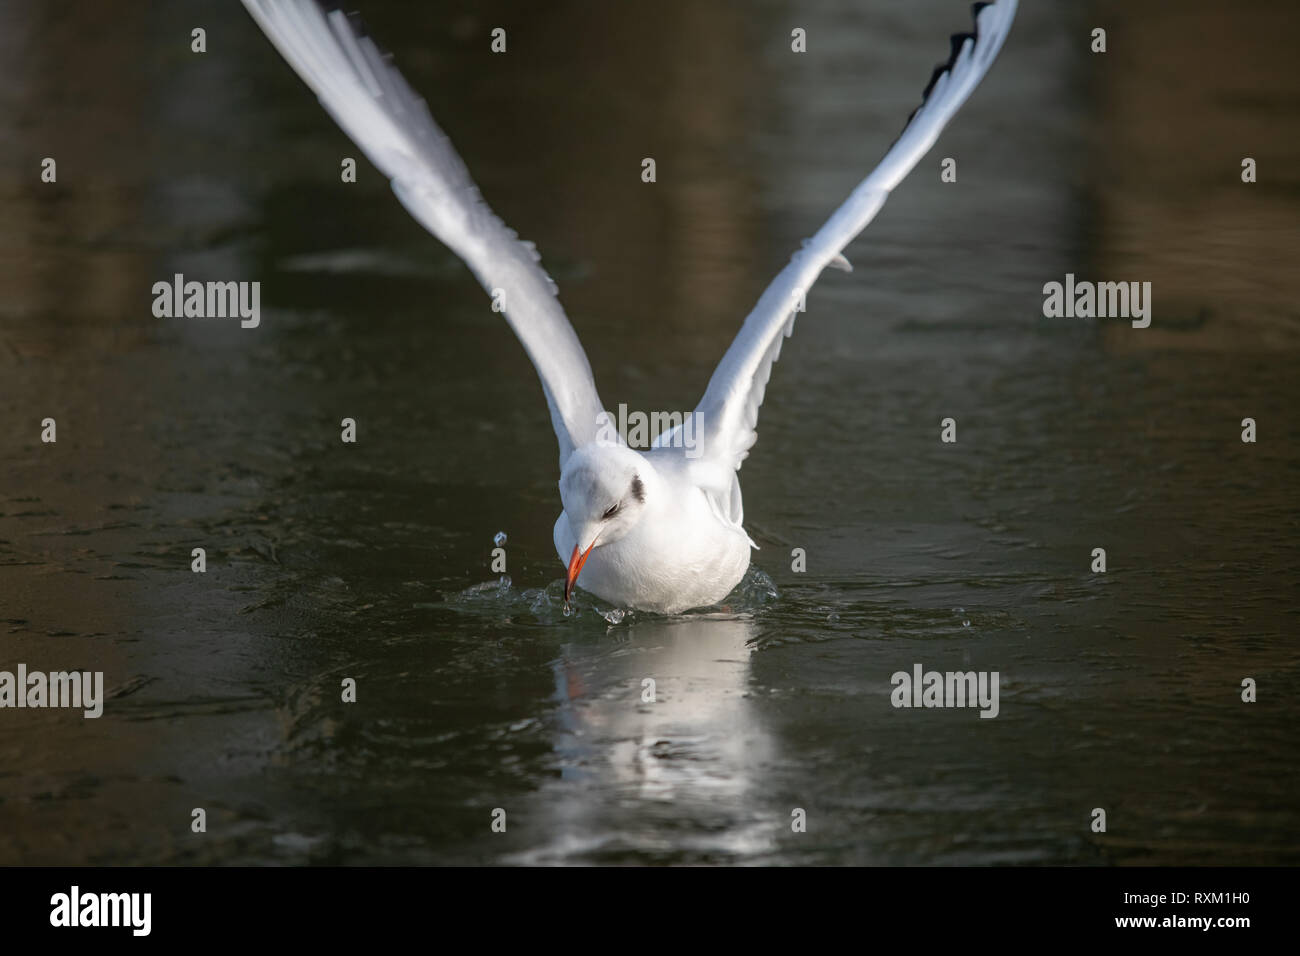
[
  {"x": 939, "y": 71},
  {"x": 956, "y": 42}
]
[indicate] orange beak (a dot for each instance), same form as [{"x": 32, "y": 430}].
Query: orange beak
[{"x": 576, "y": 561}]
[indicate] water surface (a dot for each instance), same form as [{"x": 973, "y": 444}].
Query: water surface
[{"x": 372, "y": 561}]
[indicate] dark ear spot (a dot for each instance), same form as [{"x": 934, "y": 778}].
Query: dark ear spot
[{"x": 638, "y": 489}]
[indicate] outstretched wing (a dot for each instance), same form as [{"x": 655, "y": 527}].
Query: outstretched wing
[
  {"x": 728, "y": 413},
  {"x": 359, "y": 86}
]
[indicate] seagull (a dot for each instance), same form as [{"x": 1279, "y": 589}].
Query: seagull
[{"x": 659, "y": 530}]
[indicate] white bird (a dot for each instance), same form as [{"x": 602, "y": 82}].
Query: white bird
[{"x": 659, "y": 530}]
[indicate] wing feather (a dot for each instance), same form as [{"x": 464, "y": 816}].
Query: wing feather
[
  {"x": 728, "y": 413},
  {"x": 360, "y": 88}
]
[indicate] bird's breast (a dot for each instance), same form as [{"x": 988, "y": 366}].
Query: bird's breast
[{"x": 665, "y": 565}]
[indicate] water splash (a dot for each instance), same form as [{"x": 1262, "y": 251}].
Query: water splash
[
  {"x": 544, "y": 605},
  {"x": 756, "y": 590},
  {"x": 547, "y": 606}
]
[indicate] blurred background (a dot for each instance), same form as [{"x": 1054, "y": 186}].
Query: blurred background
[{"x": 372, "y": 561}]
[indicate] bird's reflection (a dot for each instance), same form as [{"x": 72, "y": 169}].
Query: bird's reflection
[{"x": 660, "y": 747}]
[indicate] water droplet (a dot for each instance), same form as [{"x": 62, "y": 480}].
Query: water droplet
[
  {"x": 615, "y": 616},
  {"x": 833, "y": 617},
  {"x": 965, "y": 623},
  {"x": 500, "y": 539}
]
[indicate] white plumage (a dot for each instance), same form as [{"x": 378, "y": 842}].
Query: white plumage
[{"x": 654, "y": 530}]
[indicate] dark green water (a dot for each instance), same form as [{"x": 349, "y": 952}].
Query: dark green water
[{"x": 371, "y": 561}]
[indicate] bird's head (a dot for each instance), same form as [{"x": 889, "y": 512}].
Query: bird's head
[{"x": 604, "y": 488}]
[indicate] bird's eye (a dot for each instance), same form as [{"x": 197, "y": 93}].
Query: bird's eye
[{"x": 610, "y": 511}]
